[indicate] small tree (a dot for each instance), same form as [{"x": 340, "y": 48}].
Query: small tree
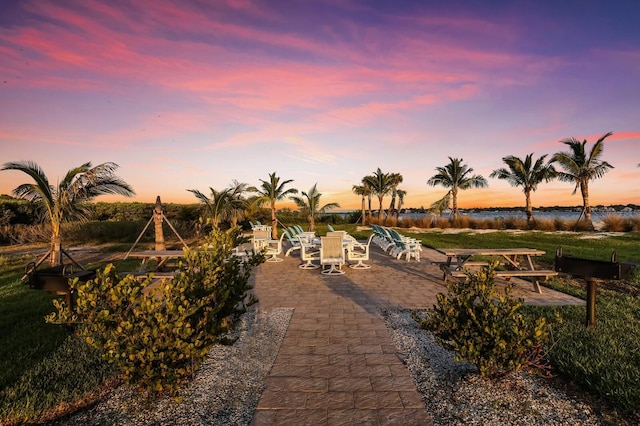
[
  {"x": 309, "y": 202},
  {"x": 484, "y": 326},
  {"x": 64, "y": 202}
]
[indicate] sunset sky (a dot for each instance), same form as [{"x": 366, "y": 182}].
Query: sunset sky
[{"x": 191, "y": 95}]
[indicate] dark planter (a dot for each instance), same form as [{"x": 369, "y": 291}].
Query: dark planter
[{"x": 55, "y": 279}]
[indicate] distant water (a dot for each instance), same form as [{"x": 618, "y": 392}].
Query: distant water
[{"x": 551, "y": 215}]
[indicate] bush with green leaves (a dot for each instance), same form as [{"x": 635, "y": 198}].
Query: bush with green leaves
[
  {"x": 484, "y": 326},
  {"x": 158, "y": 339}
]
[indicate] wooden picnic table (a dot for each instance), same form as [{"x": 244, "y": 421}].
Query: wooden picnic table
[
  {"x": 460, "y": 259},
  {"x": 161, "y": 256}
]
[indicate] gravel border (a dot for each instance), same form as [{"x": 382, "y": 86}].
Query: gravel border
[
  {"x": 225, "y": 391},
  {"x": 455, "y": 395}
]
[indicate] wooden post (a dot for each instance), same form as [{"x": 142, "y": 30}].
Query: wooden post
[
  {"x": 591, "y": 302},
  {"x": 157, "y": 219}
]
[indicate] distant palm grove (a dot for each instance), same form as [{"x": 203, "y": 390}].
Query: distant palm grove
[{"x": 241, "y": 202}]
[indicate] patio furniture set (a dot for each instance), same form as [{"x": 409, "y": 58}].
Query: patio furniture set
[{"x": 329, "y": 252}]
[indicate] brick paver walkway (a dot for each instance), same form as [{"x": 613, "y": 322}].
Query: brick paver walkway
[{"x": 337, "y": 364}]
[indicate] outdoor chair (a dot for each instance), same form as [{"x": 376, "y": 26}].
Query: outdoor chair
[
  {"x": 410, "y": 247},
  {"x": 387, "y": 243},
  {"x": 308, "y": 254},
  {"x": 273, "y": 248},
  {"x": 292, "y": 231},
  {"x": 360, "y": 254},
  {"x": 294, "y": 242},
  {"x": 332, "y": 255},
  {"x": 259, "y": 238}
]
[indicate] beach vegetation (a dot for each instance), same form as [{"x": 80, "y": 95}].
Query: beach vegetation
[
  {"x": 486, "y": 327},
  {"x": 157, "y": 339}
]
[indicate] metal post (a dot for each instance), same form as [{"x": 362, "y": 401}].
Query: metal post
[{"x": 591, "y": 301}]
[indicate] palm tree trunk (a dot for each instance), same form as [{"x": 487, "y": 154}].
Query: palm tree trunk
[
  {"x": 364, "y": 221},
  {"x": 528, "y": 207},
  {"x": 274, "y": 221},
  {"x": 454, "y": 196},
  {"x": 380, "y": 210},
  {"x": 392, "y": 204},
  {"x": 586, "y": 208},
  {"x": 56, "y": 251}
]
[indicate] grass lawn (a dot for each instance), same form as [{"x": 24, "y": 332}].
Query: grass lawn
[{"x": 41, "y": 365}]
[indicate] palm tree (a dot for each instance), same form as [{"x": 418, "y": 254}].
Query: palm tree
[
  {"x": 269, "y": 192},
  {"x": 456, "y": 176},
  {"x": 217, "y": 206},
  {"x": 65, "y": 201},
  {"x": 401, "y": 193},
  {"x": 309, "y": 202},
  {"x": 396, "y": 179},
  {"x": 365, "y": 183},
  {"x": 380, "y": 184},
  {"x": 580, "y": 168},
  {"x": 526, "y": 174},
  {"x": 239, "y": 203},
  {"x": 363, "y": 191}
]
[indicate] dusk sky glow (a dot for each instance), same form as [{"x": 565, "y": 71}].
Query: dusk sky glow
[{"x": 191, "y": 95}]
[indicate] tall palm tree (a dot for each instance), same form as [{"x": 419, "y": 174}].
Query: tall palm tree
[
  {"x": 380, "y": 184},
  {"x": 580, "y": 168},
  {"x": 456, "y": 176},
  {"x": 64, "y": 202},
  {"x": 363, "y": 191},
  {"x": 309, "y": 202},
  {"x": 527, "y": 174},
  {"x": 270, "y": 192},
  {"x": 401, "y": 193},
  {"x": 396, "y": 179}
]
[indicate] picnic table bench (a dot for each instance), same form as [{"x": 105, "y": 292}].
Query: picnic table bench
[{"x": 458, "y": 262}]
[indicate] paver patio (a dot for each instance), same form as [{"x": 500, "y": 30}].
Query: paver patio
[{"x": 337, "y": 364}]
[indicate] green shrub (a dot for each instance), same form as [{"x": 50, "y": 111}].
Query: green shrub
[
  {"x": 157, "y": 340},
  {"x": 484, "y": 326}
]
